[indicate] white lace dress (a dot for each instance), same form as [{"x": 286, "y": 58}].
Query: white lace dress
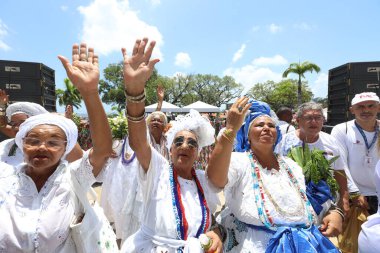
[
  {"x": 245, "y": 230},
  {"x": 159, "y": 223},
  {"x": 10, "y": 153},
  {"x": 38, "y": 221}
]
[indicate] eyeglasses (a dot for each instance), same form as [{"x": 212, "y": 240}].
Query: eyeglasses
[
  {"x": 52, "y": 143},
  {"x": 311, "y": 118},
  {"x": 180, "y": 140}
]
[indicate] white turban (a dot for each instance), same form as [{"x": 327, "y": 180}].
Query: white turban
[
  {"x": 28, "y": 108},
  {"x": 67, "y": 125},
  {"x": 195, "y": 123}
]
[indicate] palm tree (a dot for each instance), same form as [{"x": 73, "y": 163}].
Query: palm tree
[
  {"x": 300, "y": 69},
  {"x": 70, "y": 96}
]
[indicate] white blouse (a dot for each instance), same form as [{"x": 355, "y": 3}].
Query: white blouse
[
  {"x": 38, "y": 221},
  {"x": 13, "y": 158},
  {"x": 158, "y": 218}
]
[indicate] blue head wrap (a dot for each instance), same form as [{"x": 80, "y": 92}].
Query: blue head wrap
[{"x": 257, "y": 109}]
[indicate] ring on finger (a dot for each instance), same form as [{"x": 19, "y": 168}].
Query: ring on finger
[{"x": 240, "y": 108}]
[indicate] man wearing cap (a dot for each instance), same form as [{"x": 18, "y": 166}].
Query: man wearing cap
[{"x": 359, "y": 138}]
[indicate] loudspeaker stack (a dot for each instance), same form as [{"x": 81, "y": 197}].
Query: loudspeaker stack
[
  {"x": 29, "y": 82},
  {"x": 344, "y": 82}
]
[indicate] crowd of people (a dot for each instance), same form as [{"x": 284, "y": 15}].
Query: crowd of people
[{"x": 162, "y": 184}]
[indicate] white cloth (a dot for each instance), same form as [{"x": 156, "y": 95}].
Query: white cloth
[
  {"x": 240, "y": 200},
  {"x": 158, "y": 217},
  {"x": 121, "y": 197},
  {"x": 38, "y": 221},
  {"x": 13, "y": 159},
  {"x": 285, "y": 127},
  {"x": 354, "y": 151},
  {"x": 28, "y": 108},
  {"x": 325, "y": 142},
  {"x": 369, "y": 236},
  {"x": 67, "y": 125}
]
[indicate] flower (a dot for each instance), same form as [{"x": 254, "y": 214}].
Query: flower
[{"x": 119, "y": 126}]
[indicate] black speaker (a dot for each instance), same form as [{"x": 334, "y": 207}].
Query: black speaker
[
  {"x": 29, "y": 82},
  {"x": 344, "y": 82}
]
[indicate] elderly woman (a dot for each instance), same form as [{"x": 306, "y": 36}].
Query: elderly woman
[
  {"x": 178, "y": 202},
  {"x": 267, "y": 207},
  {"x": 157, "y": 122},
  {"x": 16, "y": 114},
  {"x": 37, "y": 201}
]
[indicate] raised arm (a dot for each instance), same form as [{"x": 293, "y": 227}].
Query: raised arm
[
  {"x": 137, "y": 70},
  {"x": 84, "y": 74},
  {"x": 4, "y": 127},
  {"x": 217, "y": 169},
  {"x": 160, "y": 97}
]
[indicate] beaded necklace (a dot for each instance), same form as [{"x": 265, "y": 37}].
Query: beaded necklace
[
  {"x": 259, "y": 191},
  {"x": 178, "y": 208},
  {"x": 123, "y": 159}
]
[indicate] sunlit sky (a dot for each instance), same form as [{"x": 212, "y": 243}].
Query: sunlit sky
[{"x": 253, "y": 41}]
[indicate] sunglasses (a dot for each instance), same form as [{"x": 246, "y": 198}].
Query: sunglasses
[{"x": 180, "y": 140}]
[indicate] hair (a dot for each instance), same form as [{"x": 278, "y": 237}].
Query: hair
[
  {"x": 309, "y": 106},
  {"x": 160, "y": 114}
]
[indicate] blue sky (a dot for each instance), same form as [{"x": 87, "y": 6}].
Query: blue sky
[{"x": 253, "y": 41}]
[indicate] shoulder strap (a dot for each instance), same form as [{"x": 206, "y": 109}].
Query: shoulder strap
[{"x": 287, "y": 129}]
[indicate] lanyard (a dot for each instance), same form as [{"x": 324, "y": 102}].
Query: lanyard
[{"x": 368, "y": 146}]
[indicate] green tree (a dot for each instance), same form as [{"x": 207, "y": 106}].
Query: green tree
[
  {"x": 69, "y": 96},
  {"x": 300, "y": 69},
  {"x": 322, "y": 101},
  {"x": 283, "y": 93},
  {"x": 111, "y": 87}
]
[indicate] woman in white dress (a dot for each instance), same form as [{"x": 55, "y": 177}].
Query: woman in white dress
[
  {"x": 37, "y": 201},
  {"x": 267, "y": 207},
  {"x": 369, "y": 236},
  {"x": 178, "y": 201}
]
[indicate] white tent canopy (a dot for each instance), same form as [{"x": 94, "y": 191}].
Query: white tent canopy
[
  {"x": 200, "y": 107},
  {"x": 166, "y": 107}
]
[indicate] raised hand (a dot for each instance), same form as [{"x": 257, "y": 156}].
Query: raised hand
[
  {"x": 139, "y": 67},
  {"x": 4, "y": 98},
  {"x": 84, "y": 70},
  {"x": 160, "y": 92},
  {"x": 236, "y": 114}
]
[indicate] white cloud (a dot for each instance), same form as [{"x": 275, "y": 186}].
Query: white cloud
[
  {"x": 303, "y": 26},
  {"x": 320, "y": 85},
  {"x": 3, "y": 33},
  {"x": 183, "y": 60},
  {"x": 109, "y": 25},
  {"x": 273, "y": 28},
  {"x": 265, "y": 61},
  {"x": 239, "y": 53},
  {"x": 64, "y": 7},
  {"x": 258, "y": 71}
]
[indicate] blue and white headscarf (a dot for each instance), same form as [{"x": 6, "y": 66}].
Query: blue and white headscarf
[{"x": 257, "y": 109}]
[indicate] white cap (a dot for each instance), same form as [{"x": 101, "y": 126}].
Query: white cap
[{"x": 365, "y": 96}]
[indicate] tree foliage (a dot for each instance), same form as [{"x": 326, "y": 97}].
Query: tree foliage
[
  {"x": 300, "y": 69},
  {"x": 283, "y": 93},
  {"x": 180, "y": 90},
  {"x": 69, "y": 96}
]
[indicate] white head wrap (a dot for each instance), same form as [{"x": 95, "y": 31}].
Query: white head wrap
[
  {"x": 195, "y": 123},
  {"x": 28, "y": 108},
  {"x": 67, "y": 125}
]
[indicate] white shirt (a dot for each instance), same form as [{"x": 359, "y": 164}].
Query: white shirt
[
  {"x": 13, "y": 158},
  {"x": 240, "y": 200},
  {"x": 158, "y": 217},
  {"x": 354, "y": 150},
  {"x": 285, "y": 127},
  {"x": 38, "y": 221},
  {"x": 325, "y": 142}
]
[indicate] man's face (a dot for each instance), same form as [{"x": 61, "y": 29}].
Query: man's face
[
  {"x": 311, "y": 122},
  {"x": 365, "y": 111}
]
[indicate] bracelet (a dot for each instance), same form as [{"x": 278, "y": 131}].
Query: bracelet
[
  {"x": 354, "y": 195},
  {"x": 339, "y": 212},
  {"x": 135, "y": 99},
  {"x": 135, "y": 119},
  {"x": 225, "y": 136}
]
